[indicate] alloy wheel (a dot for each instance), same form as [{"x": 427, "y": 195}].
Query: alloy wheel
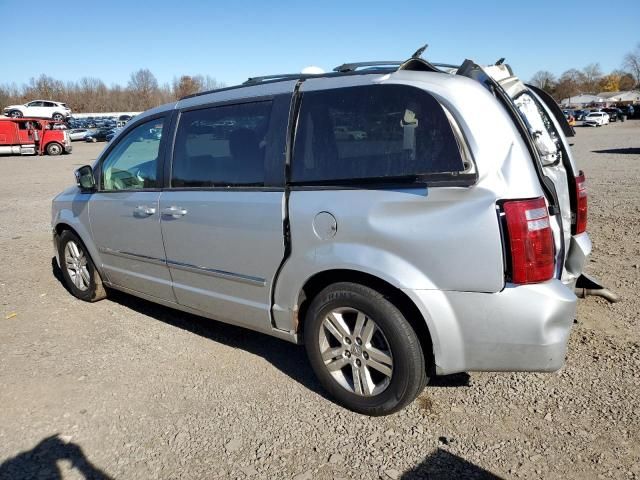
[
  {"x": 75, "y": 262},
  {"x": 355, "y": 351}
]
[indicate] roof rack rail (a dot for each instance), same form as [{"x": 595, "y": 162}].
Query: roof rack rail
[
  {"x": 283, "y": 76},
  {"x": 445, "y": 65},
  {"x": 350, "y": 67}
]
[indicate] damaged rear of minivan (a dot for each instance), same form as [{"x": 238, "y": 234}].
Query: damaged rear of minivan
[{"x": 401, "y": 219}]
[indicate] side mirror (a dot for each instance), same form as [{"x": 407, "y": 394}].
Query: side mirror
[{"x": 85, "y": 178}]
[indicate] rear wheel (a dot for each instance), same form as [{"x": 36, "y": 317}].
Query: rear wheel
[
  {"x": 58, "y": 117},
  {"x": 363, "y": 350},
  {"x": 54, "y": 149},
  {"x": 78, "y": 270},
  {"x": 15, "y": 114}
]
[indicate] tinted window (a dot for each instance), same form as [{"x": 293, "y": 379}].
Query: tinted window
[
  {"x": 221, "y": 146},
  {"x": 49, "y": 104},
  {"x": 380, "y": 131},
  {"x": 133, "y": 162}
]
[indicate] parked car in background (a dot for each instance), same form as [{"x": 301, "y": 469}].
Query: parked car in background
[
  {"x": 97, "y": 135},
  {"x": 613, "y": 114},
  {"x": 596, "y": 119},
  {"x": 57, "y": 111},
  {"x": 113, "y": 133},
  {"x": 78, "y": 133},
  {"x": 346, "y": 133},
  {"x": 391, "y": 258},
  {"x": 32, "y": 136},
  {"x": 579, "y": 114},
  {"x": 630, "y": 111}
]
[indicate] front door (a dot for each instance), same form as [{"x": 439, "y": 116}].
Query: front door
[
  {"x": 125, "y": 216},
  {"x": 222, "y": 224},
  {"x": 35, "y": 109}
]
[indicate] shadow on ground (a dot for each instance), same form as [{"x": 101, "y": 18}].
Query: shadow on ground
[
  {"x": 41, "y": 462},
  {"x": 287, "y": 357},
  {"x": 442, "y": 465},
  {"x": 620, "y": 151}
]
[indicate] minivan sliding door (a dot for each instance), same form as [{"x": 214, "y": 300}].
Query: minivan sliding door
[{"x": 222, "y": 217}]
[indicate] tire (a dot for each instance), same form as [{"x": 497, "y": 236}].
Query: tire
[
  {"x": 74, "y": 258},
  {"x": 15, "y": 114},
  {"x": 54, "y": 149},
  {"x": 58, "y": 117},
  {"x": 391, "y": 358}
]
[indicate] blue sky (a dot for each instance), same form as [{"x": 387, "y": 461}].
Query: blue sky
[{"x": 234, "y": 40}]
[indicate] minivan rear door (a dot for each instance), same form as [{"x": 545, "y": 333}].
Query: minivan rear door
[
  {"x": 224, "y": 207},
  {"x": 552, "y": 155}
]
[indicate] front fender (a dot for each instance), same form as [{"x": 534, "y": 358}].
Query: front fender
[{"x": 72, "y": 210}]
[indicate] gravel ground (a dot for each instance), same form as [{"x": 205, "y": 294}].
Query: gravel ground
[{"x": 127, "y": 389}]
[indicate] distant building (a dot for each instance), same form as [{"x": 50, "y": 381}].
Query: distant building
[
  {"x": 582, "y": 100},
  {"x": 631, "y": 96},
  {"x": 603, "y": 99}
]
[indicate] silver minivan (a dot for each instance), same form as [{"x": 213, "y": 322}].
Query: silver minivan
[{"x": 401, "y": 219}]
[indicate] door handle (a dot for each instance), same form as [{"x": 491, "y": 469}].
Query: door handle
[
  {"x": 174, "y": 211},
  {"x": 143, "y": 210}
]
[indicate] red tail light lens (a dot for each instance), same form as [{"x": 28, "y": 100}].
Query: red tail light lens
[
  {"x": 530, "y": 240},
  {"x": 581, "y": 204}
]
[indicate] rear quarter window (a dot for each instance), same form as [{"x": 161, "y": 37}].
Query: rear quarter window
[{"x": 372, "y": 132}]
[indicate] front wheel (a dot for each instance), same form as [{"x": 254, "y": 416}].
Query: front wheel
[
  {"x": 78, "y": 270},
  {"x": 363, "y": 350},
  {"x": 54, "y": 149},
  {"x": 15, "y": 114}
]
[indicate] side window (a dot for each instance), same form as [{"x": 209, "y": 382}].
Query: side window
[
  {"x": 133, "y": 162},
  {"x": 34, "y": 104},
  {"x": 49, "y": 104},
  {"x": 221, "y": 146},
  {"x": 372, "y": 132}
]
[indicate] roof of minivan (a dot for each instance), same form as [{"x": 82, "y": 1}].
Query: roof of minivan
[{"x": 286, "y": 84}]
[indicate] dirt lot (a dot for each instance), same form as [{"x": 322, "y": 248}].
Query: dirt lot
[{"x": 126, "y": 389}]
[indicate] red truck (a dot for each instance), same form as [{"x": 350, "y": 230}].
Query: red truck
[{"x": 32, "y": 136}]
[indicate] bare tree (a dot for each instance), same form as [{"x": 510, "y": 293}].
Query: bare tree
[
  {"x": 544, "y": 80},
  {"x": 186, "y": 85},
  {"x": 569, "y": 84},
  {"x": 592, "y": 75},
  {"x": 144, "y": 87},
  {"x": 632, "y": 63}
]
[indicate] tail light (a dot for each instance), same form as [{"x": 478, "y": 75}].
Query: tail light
[
  {"x": 581, "y": 204},
  {"x": 530, "y": 240}
]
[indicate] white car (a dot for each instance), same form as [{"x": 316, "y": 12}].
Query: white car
[
  {"x": 79, "y": 133},
  {"x": 596, "y": 119},
  {"x": 39, "y": 109}
]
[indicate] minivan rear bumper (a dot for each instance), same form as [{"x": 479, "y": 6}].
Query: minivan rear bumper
[
  {"x": 579, "y": 250},
  {"x": 521, "y": 328}
]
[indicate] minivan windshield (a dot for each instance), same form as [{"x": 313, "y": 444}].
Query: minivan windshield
[{"x": 546, "y": 138}]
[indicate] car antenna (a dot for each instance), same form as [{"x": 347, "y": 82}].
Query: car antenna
[
  {"x": 418, "y": 53},
  {"x": 500, "y": 62}
]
